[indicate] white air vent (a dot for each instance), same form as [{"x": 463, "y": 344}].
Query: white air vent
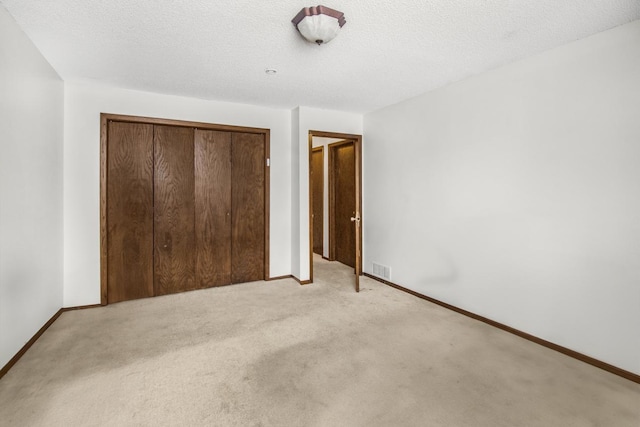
[{"x": 382, "y": 271}]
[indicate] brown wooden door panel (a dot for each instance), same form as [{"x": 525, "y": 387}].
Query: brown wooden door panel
[
  {"x": 213, "y": 208},
  {"x": 174, "y": 235},
  {"x": 345, "y": 204},
  {"x": 129, "y": 211},
  {"x": 247, "y": 207},
  {"x": 317, "y": 185}
]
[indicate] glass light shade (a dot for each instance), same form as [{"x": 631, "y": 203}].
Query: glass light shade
[
  {"x": 319, "y": 28},
  {"x": 319, "y": 24}
]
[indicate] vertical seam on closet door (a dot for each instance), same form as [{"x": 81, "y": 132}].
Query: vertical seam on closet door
[
  {"x": 153, "y": 209},
  {"x": 266, "y": 184},
  {"x": 196, "y": 276},
  {"x": 231, "y": 210}
]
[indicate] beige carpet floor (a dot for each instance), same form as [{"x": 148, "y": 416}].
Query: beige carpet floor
[{"x": 280, "y": 354}]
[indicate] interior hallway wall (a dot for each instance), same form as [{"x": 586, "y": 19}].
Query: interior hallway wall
[
  {"x": 83, "y": 104},
  {"x": 31, "y": 138},
  {"x": 295, "y": 192},
  {"x": 515, "y": 194}
]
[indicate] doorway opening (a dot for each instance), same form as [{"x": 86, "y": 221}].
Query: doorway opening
[{"x": 335, "y": 183}]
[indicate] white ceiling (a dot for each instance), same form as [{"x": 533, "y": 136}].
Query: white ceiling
[{"x": 389, "y": 50}]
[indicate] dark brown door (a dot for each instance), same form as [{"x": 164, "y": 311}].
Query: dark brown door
[
  {"x": 130, "y": 211},
  {"x": 174, "y": 234},
  {"x": 247, "y": 207},
  {"x": 317, "y": 186},
  {"x": 344, "y": 202},
  {"x": 213, "y": 208}
]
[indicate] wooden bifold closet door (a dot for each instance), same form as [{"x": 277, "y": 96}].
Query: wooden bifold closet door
[
  {"x": 174, "y": 210},
  {"x": 185, "y": 209},
  {"x": 247, "y": 205},
  {"x": 213, "y": 208},
  {"x": 130, "y": 211}
]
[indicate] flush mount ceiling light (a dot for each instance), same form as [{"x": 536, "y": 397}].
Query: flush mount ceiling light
[{"x": 319, "y": 24}]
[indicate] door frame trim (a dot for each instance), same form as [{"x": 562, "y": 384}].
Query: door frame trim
[
  {"x": 357, "y": 144},
  {"x": 104, "y": 121}
]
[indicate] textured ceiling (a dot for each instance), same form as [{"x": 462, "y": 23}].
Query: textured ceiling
[{"x": 218, "y": 49}]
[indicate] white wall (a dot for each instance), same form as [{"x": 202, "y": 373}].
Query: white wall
[
  {"x": 295, "y": 192},
  {"x": 515, "y": 194},
  {"x": 320, "y": 120},
  {"x": 83, "y": 104},
  {"x": 31, "y": 136}
]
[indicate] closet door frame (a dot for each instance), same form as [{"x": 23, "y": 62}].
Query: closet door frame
[{"x": 105, "y": 118}]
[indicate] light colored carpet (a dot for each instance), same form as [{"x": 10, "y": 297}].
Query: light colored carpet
[{"x": 280, "y": 354}]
